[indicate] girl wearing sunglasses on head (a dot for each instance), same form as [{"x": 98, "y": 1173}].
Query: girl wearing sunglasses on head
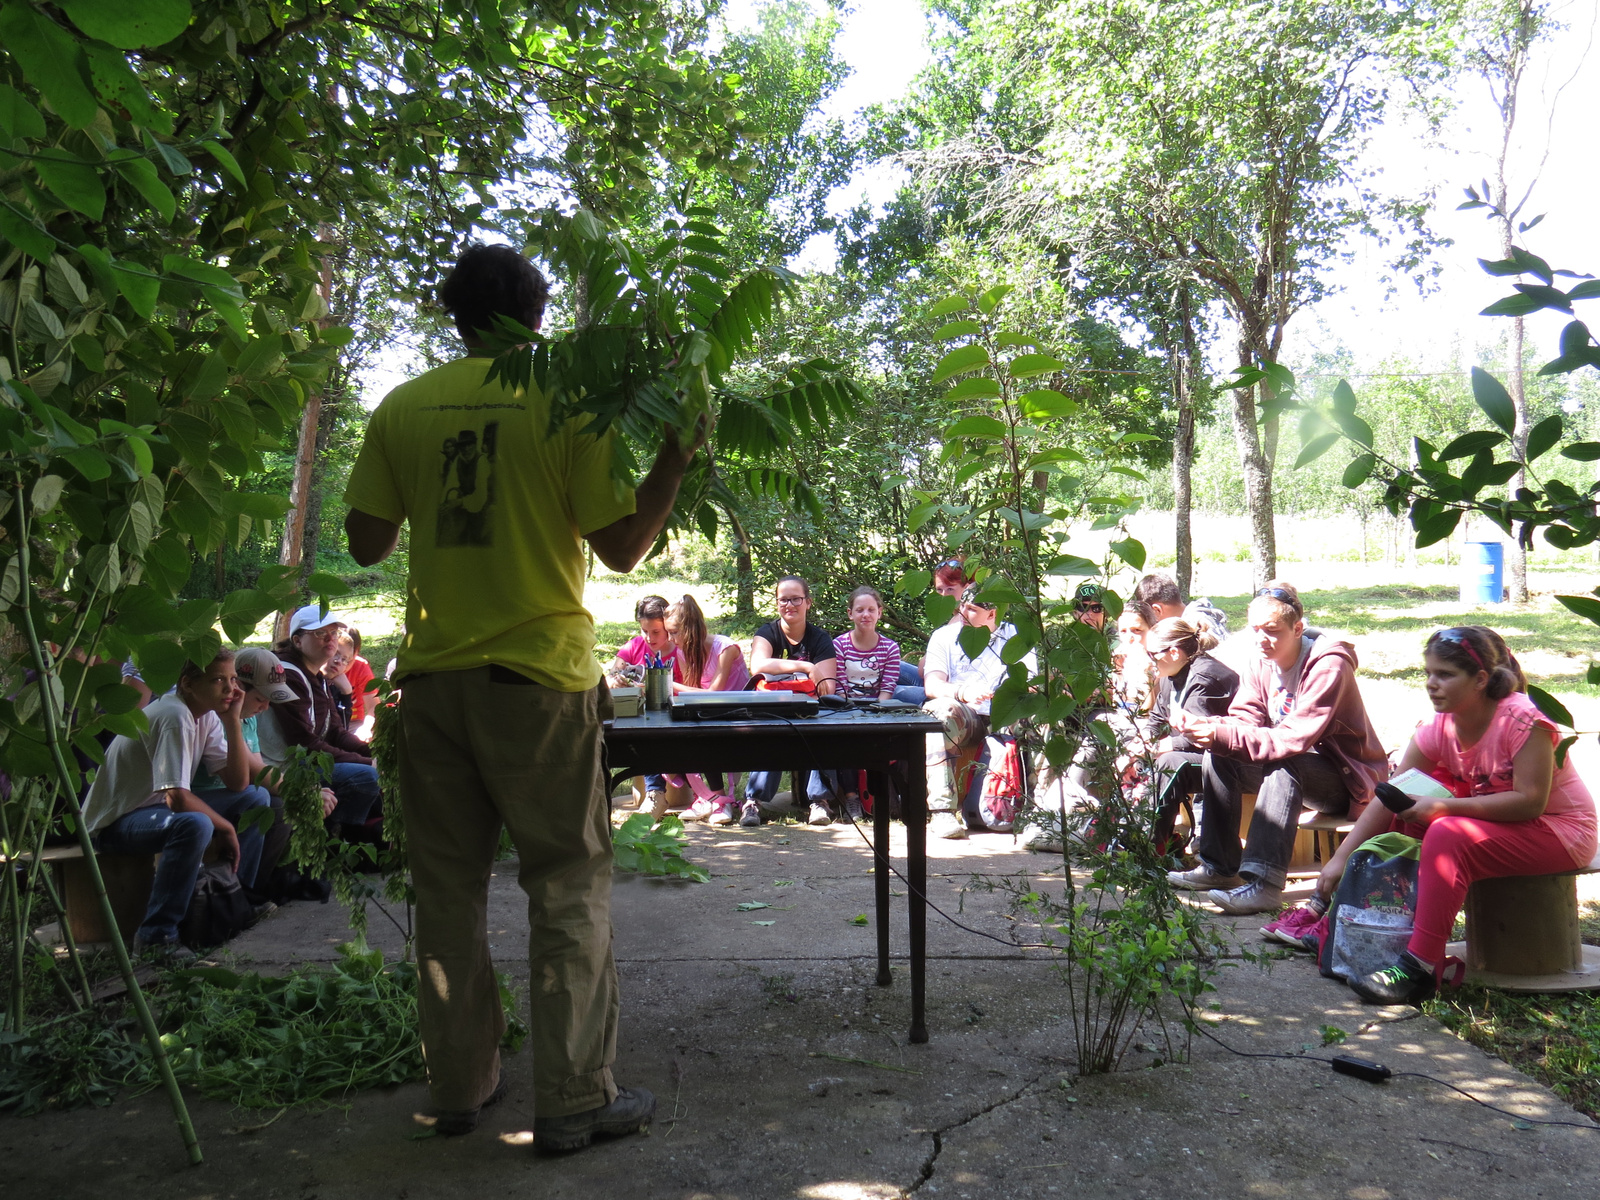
[{"x": 1518, "y": 812}]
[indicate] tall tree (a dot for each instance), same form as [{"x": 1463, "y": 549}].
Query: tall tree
[
  {"x": 1502, "y": 35},
  {"x": 1216, "y": 142}
]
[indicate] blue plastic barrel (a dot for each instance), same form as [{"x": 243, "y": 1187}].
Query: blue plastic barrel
[{"x": 1483, "y": 572}]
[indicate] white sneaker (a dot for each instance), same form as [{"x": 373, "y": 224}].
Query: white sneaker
[
  {"x": 820, "y": 815},
  {"x": 722, "y": 813},
  {"x": 699, "y": 810},
  {"x": 947, "y": 825}
]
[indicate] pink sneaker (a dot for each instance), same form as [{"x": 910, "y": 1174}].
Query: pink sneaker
[
  {"x": 700, "y": 810},
  {"x": 721, "y": 811},
  {"x": 1293, "y": 926}
]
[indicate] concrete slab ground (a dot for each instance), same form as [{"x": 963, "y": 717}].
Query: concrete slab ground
[{"x": 783, "y": 1072}]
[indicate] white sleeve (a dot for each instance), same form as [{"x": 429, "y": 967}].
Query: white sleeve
[
  {"x": 171, "y": 756},
  {"x": 213, "y": 743},
  {"x": 938, "y": 656}
]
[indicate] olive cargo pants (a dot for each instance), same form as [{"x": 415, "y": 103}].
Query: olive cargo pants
[{"x": 477, "y": 753}]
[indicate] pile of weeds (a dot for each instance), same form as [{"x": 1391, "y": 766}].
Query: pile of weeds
[
  {"x": 650, "y": 849},
  {"x": 313, "y": 1036}
]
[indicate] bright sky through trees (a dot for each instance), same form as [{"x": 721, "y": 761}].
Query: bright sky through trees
[{"x": 885, "y": 42}]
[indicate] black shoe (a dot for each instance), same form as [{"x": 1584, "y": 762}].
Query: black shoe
[
  {"x": 630, "y": 1112},
  {"x": 455, "y": 1122},
  {"x": 1408, "y": 981}
]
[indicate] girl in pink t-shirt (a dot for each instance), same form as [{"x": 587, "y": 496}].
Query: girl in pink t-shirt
[
  {"x": 1514, "y": 812},
  {"x": 706, "y": 662}
]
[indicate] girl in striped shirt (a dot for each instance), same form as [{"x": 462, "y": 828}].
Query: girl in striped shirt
[{"x": 869, "y": 668}]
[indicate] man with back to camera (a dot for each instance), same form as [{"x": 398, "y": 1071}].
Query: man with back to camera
[{"x": 503, "y": 703}]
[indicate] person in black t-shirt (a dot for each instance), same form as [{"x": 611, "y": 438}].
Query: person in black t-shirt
[{"x": 788, "y": 650}]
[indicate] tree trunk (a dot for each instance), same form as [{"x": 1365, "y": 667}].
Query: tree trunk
[
  {"x": 1257, "y": 477},
  {"x": 1185, "y": 373},
  {"x": 312, "y": 536},
  {"x": 743, "y": 572},
  {"x": 291, "y": 548},
  {"x": 1519, "y": 451}
]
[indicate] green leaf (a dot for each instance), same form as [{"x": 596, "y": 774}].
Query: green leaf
[
  {"x": 997, "y": 589},
  {"x": 1550, "y": 706},
  {"x": 19, "y": 118},
  {"x": 939, "y": 609},
  {"x": 979, "y": 426},
  {"x": 90, "y": 463},
  {"x": 1043, "y": 403},
  {"x": 324, "y": 583},
  {"x": 116, "y": 82},
  {"x": 1493, "y": 398},
  {"x": 227, "y": 161},
  {"x": 955, "y": 329},
  {"x": 141, "y": 173},
  {"x": 959, "y": 361},
  {"x": 141, "y": 287},
  {"x": 979, "y": 387},
  {"x": 948, "y": 305},
  {"x": 1130, "y": 551},
  {"x": 1582, "y": 451},
  {"x": 51, "y": 60},
  {"x": 974, "y": 639},
  {"x": 130, "y": 24},
  {"x": 1025, "y": 366},
  {"x": 1543, "y": 436},
  {"x": 23, "y": 231},
  {"x": 990, "y": 300},
  {"x": 1072, "y": 564},
  {"x": 1438, "y": 527},
  {"x": 74, "y": 182},
  {"x": 1469, "y": 444},
  {"x": 1359, "y": 470},
  {"x": 1316, "y": 448},
  {"x": 1586, "y": 607},
  {"x": 913, "y": 583}
]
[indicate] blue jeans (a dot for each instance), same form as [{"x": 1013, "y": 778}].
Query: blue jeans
[
  {"x": 910, "y": 689},
  {"x": 655, "y": 783},
  {"x": 181, "y": 839},
  {"x": 356, "y": 785},
  {"x": 762, "y": 786}
]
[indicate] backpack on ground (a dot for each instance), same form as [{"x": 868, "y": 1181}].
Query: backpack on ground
[
  {"x": 1373, "y": 911},
  {"x": 1002, "y": 785},
  {"x": 218, "y": 910}
]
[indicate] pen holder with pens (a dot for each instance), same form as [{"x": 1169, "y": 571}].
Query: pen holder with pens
[{"x": 658, "y": 689}]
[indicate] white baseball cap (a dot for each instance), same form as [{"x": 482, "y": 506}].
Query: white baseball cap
[{"x": 310, "y": 618}]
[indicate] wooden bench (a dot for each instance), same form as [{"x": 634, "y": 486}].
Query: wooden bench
[
  {"x": 128, "y": 878},
  {"x": 1318, "y": 837},
  {"x": 1522, "y": 934}
]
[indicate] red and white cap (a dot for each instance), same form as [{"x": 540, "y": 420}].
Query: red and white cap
[{"x": 260, "y": 669}]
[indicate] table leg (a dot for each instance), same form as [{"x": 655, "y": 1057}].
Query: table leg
[
  {"x": 880, "y": 874},
  {"x": 915, "y": 810}
]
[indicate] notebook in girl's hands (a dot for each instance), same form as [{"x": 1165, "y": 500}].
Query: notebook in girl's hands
[{"x": 1417, "y": 783}]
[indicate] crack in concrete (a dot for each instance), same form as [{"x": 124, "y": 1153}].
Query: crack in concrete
[{"x": 930, "y": 1163}]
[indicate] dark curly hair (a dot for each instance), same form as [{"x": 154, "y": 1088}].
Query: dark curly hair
[
  {"x": 490, "y": 281},
  {"x": 1474, "y": 648}
]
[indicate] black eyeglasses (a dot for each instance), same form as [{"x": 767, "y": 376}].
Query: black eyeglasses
[
  {"x": 1096, "y": 607},
  {"x": 1282, "y": 596}
]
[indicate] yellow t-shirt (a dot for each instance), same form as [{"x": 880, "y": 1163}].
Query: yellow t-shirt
[{"x": 498, "y": 509}]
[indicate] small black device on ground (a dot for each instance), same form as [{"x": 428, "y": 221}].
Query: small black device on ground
[{"x": 1360, "y": 1068}]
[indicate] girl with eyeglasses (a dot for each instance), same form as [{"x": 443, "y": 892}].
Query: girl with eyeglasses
[{"x": 1516, "y": 811}]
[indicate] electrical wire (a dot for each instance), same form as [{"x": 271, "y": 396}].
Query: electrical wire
[
  {"x": 1198, "y": 1024},
  {"x": 1200, "y": 1027}
]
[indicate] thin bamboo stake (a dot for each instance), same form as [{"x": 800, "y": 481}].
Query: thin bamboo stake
[{"x": 41, "y": 663}]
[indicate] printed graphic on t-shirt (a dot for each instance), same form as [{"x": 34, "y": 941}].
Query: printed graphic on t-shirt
[
  {"x": 861, "y": 675},
  {"x": 466, "y": 511}
]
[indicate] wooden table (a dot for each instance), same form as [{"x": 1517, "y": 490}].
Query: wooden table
[{"x": 833, "y": 739}]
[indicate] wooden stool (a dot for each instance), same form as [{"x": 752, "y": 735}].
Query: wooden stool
[
  {"x": 1522, "y": 934},
  {"x": 1318, "y": 837},
  {"x": 128, "y": 878}
]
